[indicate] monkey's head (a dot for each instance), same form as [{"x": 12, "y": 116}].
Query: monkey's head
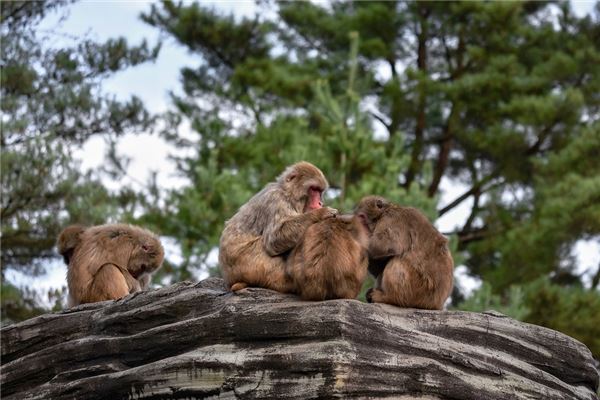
[
  {"x": 370, "y": 209},
  {"x": 304, "y": 184},
  {"x": 147, "y": 252},
  {"x": 131, "y": 247},
  {"x": 68, "y": 240}
]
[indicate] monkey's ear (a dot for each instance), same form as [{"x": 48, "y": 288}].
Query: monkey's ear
[{"x": 68, "y": 240}]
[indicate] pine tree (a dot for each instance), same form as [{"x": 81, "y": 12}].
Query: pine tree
[
  {"x": 498, "y": 96},
  {"x": 51, "y": 102}
]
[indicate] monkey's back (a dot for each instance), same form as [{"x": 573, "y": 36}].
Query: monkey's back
[
  {"x": 332, "y": 260},
  {"x": 422, "y": 277}
]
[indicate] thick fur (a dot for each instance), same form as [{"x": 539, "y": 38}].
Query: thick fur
[
  {"x": 107, "y": 262},
  {"x": 256, "y": 240},
  {"x": 331, "y": 262},
  {"x": 407, "y": 255},
  {"x": 68, "y": 239}
]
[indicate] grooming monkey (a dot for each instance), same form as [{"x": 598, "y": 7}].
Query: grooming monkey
[
  {"x": 331, "y": 261},
  {"x": 409, "y": 257},
  {"x": 256, "y": 240},
  {"x": 107, "y": 262}
]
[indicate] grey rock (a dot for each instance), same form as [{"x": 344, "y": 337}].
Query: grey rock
[{"x": 191, "y": 341}]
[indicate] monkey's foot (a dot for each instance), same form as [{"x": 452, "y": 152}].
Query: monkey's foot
[
  {"x": 376, "y": 296},
  {"x": 369, "y": 295},
  {"x": 238, "y": 286}
]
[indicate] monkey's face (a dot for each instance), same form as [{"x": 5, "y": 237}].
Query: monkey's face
[
  {"x": 370, "y": 209},
  {"x": 147, "y": 256},
  {"x": 306, "y": 184}
]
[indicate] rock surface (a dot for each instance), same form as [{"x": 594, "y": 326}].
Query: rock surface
[{"x": 199, "y": 341}]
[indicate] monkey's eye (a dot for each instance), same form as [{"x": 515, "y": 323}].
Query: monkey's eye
[
  {"x": 146, "y": 248},
  {"x": 379, "y": 204},
  {"x": 291, "y": 177}
]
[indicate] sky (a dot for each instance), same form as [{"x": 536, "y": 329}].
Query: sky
[{"x": 152, "y": 82}]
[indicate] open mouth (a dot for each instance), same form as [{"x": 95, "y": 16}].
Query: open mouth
[{"x": 314, "y": 198}]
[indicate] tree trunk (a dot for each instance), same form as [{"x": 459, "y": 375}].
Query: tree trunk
[{"x": 198, "y": 340}]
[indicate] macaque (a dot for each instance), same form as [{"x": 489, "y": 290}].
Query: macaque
[
  {"x": 108, "y": 262},
  {"x": 407, "y": 255},
  {"x": 258, "y": 238},
  {"x": 331, "y": 261}
]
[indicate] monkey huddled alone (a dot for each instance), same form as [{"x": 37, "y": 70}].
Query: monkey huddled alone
[
  {"x": 408, "y": 256},
  {"x": 108, "y": 262}
]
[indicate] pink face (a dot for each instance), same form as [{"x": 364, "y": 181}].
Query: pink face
[{"x": 314, "y": 199}]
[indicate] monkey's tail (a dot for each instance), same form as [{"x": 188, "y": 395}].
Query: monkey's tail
[{"x": 68, "y": 239}]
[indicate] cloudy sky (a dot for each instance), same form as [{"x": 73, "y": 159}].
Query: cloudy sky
[{"x": 152, "y": 82}]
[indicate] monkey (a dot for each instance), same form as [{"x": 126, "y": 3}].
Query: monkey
[
  {"x": 108, "y": 262},
  {"x": 331, "y": 261},
  {"x": 255, "y": 242},
  {"x": 409, "y": 257}
]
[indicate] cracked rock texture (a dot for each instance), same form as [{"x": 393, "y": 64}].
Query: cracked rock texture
[{"x": 200, "y": 341}]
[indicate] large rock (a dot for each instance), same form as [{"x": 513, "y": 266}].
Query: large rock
[{"x": 199, "y": 341}]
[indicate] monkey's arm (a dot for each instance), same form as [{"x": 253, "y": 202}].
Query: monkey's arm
[
  {"x": 144, "y": 281},
  {"x": 389, "y": 239},
  {"x": 285, "y": 235},
  {"x": 109, "y": 283}
]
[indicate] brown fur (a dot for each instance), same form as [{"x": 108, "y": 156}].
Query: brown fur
[
  {"x": 257, "y": 238},
  {"x": 331, "y": 262},
  {"x": 107, "y": 262},
  {"x": 409, "y": 257},
  {"x": 68, "y": 239}
]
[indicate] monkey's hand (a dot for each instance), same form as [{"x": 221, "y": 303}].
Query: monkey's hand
[
  {"x": 323, "y": 213},
  {"x": 369, "y": 295}
]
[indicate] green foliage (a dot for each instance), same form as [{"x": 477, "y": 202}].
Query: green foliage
[
  {"x": 512, "y": 304},
  {"x": 18, "y": 305},
  {"x": 51, "y": 103},
  {"x": 572, "y": 310},
  {"x": 569, "y": 309},
  {"x": 391, "y": 98}
]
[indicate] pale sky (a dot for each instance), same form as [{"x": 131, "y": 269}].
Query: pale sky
[{"x": 152, "y": 82}]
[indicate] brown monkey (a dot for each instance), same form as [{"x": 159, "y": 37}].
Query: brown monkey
[
  {"x": 409, "y": 257},
  {"x": 107, "y": 262},
  {"x": 331, "y": 261},
  {"x": 257, "y": 238}
]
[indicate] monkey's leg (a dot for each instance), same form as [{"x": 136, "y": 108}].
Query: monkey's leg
[
  {"x": 378, "y": 285},
  {"x": 377, "y": 296},
  {"x": 108, "y": 284},
  {"x": 238, "y": 286},
  {"x": 393, "y": 285},
  {"x": 235, "y": 259},
  {"x": 252, "y": 266}
]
